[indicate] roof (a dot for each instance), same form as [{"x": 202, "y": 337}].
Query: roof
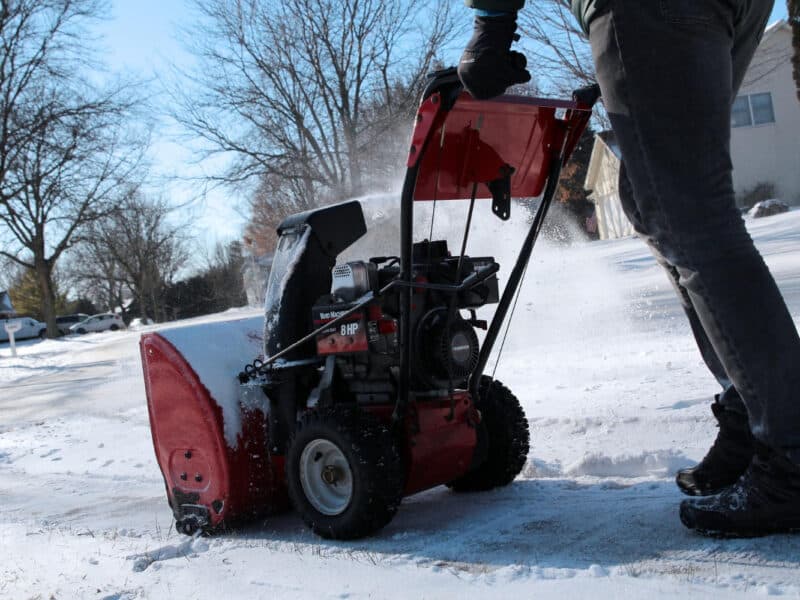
[
  {"x": 5, "y": 304},
  {"x": 777, "y": 26}
]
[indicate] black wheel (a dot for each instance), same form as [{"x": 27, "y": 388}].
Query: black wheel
[
  {"x": 114, "y": 328},
  {"x": 343, "y": 473},
  {"x": 508, "y": 439},
  {"x": 43, "y": 334},
  {"x": 81, "y": 331}
]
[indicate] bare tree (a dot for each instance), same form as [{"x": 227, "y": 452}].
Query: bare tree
[
  {"x": 142, "y": 249},
  {"x": 94, "y": 273},
  {"x": 557, "y": 48},
  {"x": 286, "y": 87},
  {"x": 383, "y": 157},
  {"x": 60, "y": 150},
  {"x": 224, "y": 275},
  {"x": 41, "y": 42},
  {"x": 66, "y": 177}
]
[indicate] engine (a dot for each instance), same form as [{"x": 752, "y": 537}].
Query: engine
[{"x": 366, "y": 343}]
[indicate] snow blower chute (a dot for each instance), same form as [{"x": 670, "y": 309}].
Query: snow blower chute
[{"x": 370, "y": 381}]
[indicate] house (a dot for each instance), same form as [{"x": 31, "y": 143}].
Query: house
[
  {"x": 765, "y": 137},
  {"x": 602, "y": 178},
  {"x": 765, "y": 134},
  {"x": 6, "y": 308}
]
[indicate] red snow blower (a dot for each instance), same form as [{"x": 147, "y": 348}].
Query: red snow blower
[{"x": 370, "y": 384}]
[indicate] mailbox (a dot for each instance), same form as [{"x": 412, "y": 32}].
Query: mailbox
[{"x": 13, "y": 327}]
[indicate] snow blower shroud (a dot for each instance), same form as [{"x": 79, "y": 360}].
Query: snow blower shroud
[{"x": 369, "y": 382}]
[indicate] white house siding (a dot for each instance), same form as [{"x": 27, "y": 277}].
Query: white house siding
[
  {"x": 603, "y": 179},
  {"x": 770, "y": 152}
]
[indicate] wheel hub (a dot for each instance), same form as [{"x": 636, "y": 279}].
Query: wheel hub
[
  {"x": 332, "y": 475},
  {"x": 326, "y": 477}
]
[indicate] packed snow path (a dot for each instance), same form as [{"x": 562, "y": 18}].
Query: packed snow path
[{"x": 617, "y": 396}]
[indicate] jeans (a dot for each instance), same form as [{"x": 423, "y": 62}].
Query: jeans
[{"x": 669, "y": 71}]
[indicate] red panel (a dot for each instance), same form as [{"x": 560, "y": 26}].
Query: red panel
[
  {"x": 472, "y": 141},
  {"x": 442, "y": 449},
  {"x": 187, "y": 429},
  {"x": 346, "y": 337},
  {"x": 437, "y": 449}
]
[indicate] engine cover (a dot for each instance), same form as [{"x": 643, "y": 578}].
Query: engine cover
[
  {"x": 352, "y": 280},
  {"x": 445, "y": 352}
]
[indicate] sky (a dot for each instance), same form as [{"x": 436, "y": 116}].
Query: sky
[{"x": 142, "y": 37}]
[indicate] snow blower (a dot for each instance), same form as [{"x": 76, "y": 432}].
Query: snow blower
[{"x": 370, "y": 382}]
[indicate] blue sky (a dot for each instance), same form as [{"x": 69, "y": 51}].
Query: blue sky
[
  {"x": 142, "y": 36},
  {"x": 141, "y": 33}
]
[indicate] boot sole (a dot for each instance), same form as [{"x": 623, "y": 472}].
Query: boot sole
[
  {"x": 735, "y": 535},
  {"x": 696, "y": 492},
  {"x": 772, "y": 529}
]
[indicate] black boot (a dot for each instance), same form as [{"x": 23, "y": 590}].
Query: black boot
[
  {"x": 727, "y": 459},
  {"x": 765, "y": 500},
  {"x": 488, "y": 65}
]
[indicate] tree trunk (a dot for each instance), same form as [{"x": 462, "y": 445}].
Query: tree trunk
[
  {"x": 142, "y": 303},
  {"x": 356, "y": 176},
  {"x": 158, "y": 315},
  {"x": 44, "y": 275}
]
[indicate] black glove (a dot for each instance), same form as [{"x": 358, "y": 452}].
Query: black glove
[{"x": 488, "y": 65}]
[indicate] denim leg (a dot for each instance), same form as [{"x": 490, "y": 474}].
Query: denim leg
[
  {"x": 668, "y": 71},
  {"x": 729, "y": 397}
]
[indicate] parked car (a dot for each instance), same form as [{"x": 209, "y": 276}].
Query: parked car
[
  {"x": 139, "y": 322},
  {"x": 767, "y": 208},
  {"x": 101, "y": 322},
  {"x": 64, "y": 322},
  {"x": 31, "y": 328}
]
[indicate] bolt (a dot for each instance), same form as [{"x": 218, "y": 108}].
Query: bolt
[
  {"x": 198, "y": 478},
  {"x": 184, "y": 476},
  {"x": 331, "y": 475},
  {"x": 187, "y": 454}
]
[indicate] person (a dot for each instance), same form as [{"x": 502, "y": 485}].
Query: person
[{"x": 669, "y": 72}]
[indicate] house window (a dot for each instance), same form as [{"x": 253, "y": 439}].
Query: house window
[
  {"x": 755, "y": 109},
  {"x": 740, "y": 115},
  {"x": 762, "y": 109}
]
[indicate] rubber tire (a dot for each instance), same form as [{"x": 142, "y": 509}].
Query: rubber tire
[
  {"x": 374, "y": 462},
  {"x": 508, "y": 435},
  {"x": 43, "y": 334},
  {"x": 81, "y": 331},
  {"x": 114, "y": 328}
]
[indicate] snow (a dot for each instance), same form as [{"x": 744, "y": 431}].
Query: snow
[
  {"x": 617, "y": 397},
  {"x": 284, "y": 264},
  {"x": 235, "y": 344}
]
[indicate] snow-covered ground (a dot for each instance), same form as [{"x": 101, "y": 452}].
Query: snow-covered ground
[{"x": 617, "y": 396}]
